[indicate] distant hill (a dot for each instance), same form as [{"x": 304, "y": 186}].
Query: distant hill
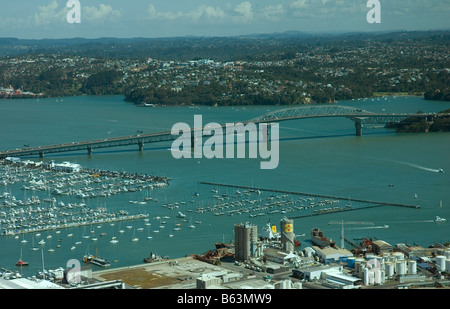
[{"x": 217, "y": 48}]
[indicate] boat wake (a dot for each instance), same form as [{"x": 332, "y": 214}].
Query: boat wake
[
  {"x": 434, "y": 170},
  {"x": 421, "y": 221},
  {"x": 371, "y": 227}
]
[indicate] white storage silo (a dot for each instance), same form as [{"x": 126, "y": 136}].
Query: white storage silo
[
  {"x": 371, "y": 277},
  {"x": 398, "y": 255},
  {"x": 383, "y": 276},
  {"x": 412, "y": 269},
  {"x": 400, "y": 266},
  {"x": 366, "y": 276},
  {"x": 447, "y": 254},
  {"x": 440, "y": 262},
  {"x": 390, "y": 269},
  {"x": 377, "y": 276}
]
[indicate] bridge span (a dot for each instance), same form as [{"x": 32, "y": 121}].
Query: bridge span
[{"x": 358, "y": 116}]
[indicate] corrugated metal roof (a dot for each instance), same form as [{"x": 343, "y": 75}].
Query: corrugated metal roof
[{"x": 23, "y": 283}]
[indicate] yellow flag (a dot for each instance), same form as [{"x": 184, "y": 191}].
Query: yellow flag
[{"x": 274, "y": 228}]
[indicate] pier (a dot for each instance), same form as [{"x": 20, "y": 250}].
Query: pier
[{"x": 341, "y": 209}]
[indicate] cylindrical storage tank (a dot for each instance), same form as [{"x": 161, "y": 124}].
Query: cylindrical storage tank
[
  {"x": 377, "y": 276},
  {"x": 400, "y": 267},
  {"x": 370, "y": 256},
  {"x": 412, "y": 269},
  {"x": 358, "y": 263},
  {"x": 361, "y": 267},
  {"x": 390, "y": 270},
  {"x": 440, "y": 262},
  {"x": 447, "y": 254},
  {"x": 383, "y": 276},
  {"x": 351, "y": 262},
  {"x": 398, "y": 255},
  {"x": 382, "y": 260},
  {"x": 366, "y": 276},
  {"x": 287, "y": 234},
  {"x": 371, "y": 277}
]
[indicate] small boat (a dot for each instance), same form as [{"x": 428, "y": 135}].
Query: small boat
[
  {"x": 439, "y": 219},
  {"x": 441, "y": 170},
  {"x": 88, "y": 258},
  {"x": 134, "y": 237},
  {"x": 21, "y": 263},
  {"x": 181, "y": 215}
]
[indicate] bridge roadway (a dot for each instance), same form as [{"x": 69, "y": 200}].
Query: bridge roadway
[{"x": 358, "y": 116}]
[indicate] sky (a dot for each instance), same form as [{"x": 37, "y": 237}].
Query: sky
[{"x": 38, "y": 19}]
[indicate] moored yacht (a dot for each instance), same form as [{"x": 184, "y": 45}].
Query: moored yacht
[{"x": 439, "y": 219}]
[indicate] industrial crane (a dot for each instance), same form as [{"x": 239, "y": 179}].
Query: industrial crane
[{"x": 348, "y": 223}]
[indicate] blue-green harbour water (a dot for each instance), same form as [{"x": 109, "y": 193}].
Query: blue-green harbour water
[{"x": 318, "y": 156}]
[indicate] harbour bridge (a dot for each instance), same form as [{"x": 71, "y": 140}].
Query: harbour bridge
[{"x": 358, "y": 116}]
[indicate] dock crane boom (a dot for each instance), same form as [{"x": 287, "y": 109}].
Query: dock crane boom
[{"x": 342, "y": 222}]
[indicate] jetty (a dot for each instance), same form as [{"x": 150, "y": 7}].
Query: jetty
[{"x": 371, "y": 203}]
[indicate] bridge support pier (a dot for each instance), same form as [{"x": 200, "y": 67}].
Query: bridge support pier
[
  {"x": 265, "y": 132},
  {"x": 141, "y": 146},
  {"x": 358, "y": 126},
  {"x": 41, "y": 154},
  {"x": 89, "y": 150}
]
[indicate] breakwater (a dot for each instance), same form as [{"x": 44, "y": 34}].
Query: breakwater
[{"x": 321, "y": 212}]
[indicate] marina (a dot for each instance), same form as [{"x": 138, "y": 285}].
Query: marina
[
  {"x": 324, "y": 171},
  {"x": 41, "y": 213}
]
